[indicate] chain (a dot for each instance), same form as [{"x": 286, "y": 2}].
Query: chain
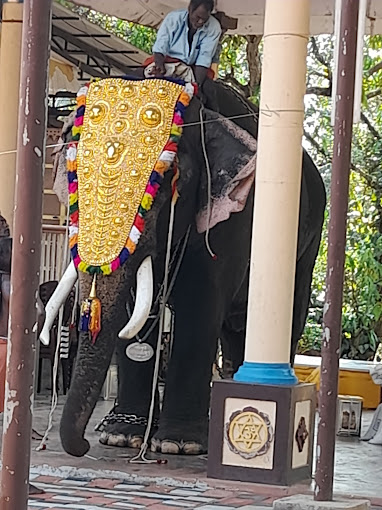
[{"x": 129, "y": 419}]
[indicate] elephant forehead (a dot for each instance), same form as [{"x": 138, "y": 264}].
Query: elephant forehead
[{"x": 125, "y": 129}]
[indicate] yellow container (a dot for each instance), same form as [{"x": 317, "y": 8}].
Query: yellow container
[{"x": 353, "y": 382}]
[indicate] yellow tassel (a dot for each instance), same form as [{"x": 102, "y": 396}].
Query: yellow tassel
[{"x": 95, "y": 312}]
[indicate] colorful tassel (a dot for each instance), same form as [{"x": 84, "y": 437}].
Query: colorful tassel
[
  {"x": 85, "y": 315},
  {"x": 91, "y": 313}
]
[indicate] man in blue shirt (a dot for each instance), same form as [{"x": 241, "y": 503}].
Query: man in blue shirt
[{"x": 190, "y": 36}]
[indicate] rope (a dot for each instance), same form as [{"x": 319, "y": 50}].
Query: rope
[
  {"x": 209, "y": 184},
  {"x": 141, "y": 457},
  {"x": 65, "y": 259},
  {"x": 42, "y": 444},
  {"x": 170, "y": 287},
  {"x": 50, "y": 146}
]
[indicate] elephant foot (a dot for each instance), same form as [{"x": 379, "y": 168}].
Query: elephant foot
[
  {"x": 171, "y": 447},
  {"x": 181, "y": 439},
  {"x": 121, "y": 440},
  {"x": 123, "y": 430}
]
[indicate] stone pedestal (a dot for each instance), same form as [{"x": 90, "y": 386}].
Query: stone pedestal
[{"x": 261, "y": 433}]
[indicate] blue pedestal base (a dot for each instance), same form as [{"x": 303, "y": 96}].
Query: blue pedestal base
[{"x": 278, "y": 374}]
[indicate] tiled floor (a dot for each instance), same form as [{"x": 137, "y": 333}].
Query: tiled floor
[
  {"x": 123, "y": 485},
  {"x": 357, "y": 473},
  {"x": 65, "y": 494}
]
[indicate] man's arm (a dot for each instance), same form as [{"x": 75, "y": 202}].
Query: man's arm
[
  {"x": 162, "y": 44},
  {"x": 208, "y": 47},
  {"x": 159, "y": 60}
]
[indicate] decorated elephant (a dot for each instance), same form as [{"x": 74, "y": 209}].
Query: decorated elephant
[{"x": 207, "y": 277}]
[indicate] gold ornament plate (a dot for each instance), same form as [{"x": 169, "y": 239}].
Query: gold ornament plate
[{"x": 126, "y": 127}]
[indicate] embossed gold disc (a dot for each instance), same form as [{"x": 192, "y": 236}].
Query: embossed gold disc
[{"x": 126, "y": 126}]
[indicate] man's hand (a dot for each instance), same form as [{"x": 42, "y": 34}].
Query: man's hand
[{"x": 160, "y": 69}]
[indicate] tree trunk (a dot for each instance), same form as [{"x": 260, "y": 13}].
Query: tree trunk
[{"x": 254, "y": 61}]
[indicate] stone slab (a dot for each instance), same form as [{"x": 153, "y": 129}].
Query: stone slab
[{"x": 303, "y": 502}]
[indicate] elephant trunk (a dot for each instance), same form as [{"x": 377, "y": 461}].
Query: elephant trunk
[
  {"x": 90, "y": 372},
  {"x": 92, "y": 363}
]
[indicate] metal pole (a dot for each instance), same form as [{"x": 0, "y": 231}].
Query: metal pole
[
  {"x": 26, "y": 255},
  {"x": 336, "y": 250}
]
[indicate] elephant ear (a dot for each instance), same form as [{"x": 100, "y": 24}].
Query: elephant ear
[{"x": 231, "y": 154}]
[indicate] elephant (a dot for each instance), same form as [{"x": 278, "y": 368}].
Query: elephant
[{"x": 209, "y": 295}]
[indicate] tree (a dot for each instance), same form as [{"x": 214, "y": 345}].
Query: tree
[{"x": 362, "y": 307}]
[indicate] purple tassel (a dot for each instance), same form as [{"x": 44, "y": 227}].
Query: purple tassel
[{"x": 85, "y": 315}]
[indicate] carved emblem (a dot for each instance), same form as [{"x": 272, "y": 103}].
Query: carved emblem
[
  {"x": 301, "y": 435},
  {"x": 249, "y": 433}
]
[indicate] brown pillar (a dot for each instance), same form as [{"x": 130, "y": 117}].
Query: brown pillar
[
  {"x": 336, "y": 250},
  {"x": 10, "y": 56},
  {"x": 26, "y": 256}
]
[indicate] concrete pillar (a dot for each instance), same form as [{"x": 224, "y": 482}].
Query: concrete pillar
[
  {"x": 10, "y": 59},
  {"x": 277, "y": 197}
]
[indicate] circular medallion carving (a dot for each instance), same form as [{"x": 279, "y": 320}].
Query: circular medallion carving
[
  {"x": 128, "y": 90},
  {"x": 97, "y": 113},
  {"x": 113, "y": 151},
  {"x": 149, "y": 140},
  {"x": 151, "y": 116},
  {"x": 120, "y": 126},
  {"x": 249, "y": 433},
  {"x": 162, "y": 92}
]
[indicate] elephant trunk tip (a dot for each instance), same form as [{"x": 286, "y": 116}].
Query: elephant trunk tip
[{"x": 73, "y": 443}]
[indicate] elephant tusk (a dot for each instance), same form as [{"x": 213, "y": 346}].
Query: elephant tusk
[
  {"x": 143, "y": 301},
  {"x": 57, "y": 299}
]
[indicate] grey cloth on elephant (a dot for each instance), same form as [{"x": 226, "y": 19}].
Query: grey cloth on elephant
[
  {"x": 231, "y": 185},
  {"x": 60, "y": 179}
]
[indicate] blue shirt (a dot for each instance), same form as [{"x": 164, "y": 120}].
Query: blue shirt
[{"x": 172, "y": 39}]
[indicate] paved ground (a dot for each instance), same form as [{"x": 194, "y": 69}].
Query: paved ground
[
  {"x": 105, "y": 478},
  {"x": 358, "y": 464},
  {"x": 106, "y": 493},
  {"x": 74, "y": 493}
]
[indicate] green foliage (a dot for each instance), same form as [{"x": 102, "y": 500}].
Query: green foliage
[
  {"x": 233, "y": 59},
  {"x": 362, "y": 302}
]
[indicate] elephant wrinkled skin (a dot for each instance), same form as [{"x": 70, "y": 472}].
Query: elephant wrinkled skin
[{"x": 209, "y": 296}]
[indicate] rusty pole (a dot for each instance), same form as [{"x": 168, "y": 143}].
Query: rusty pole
[
  {"x": 330, "y": 350},
  {"x": 26, "y": 255}
]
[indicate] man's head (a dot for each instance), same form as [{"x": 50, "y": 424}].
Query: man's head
[{"x": 199, "y": 12}]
